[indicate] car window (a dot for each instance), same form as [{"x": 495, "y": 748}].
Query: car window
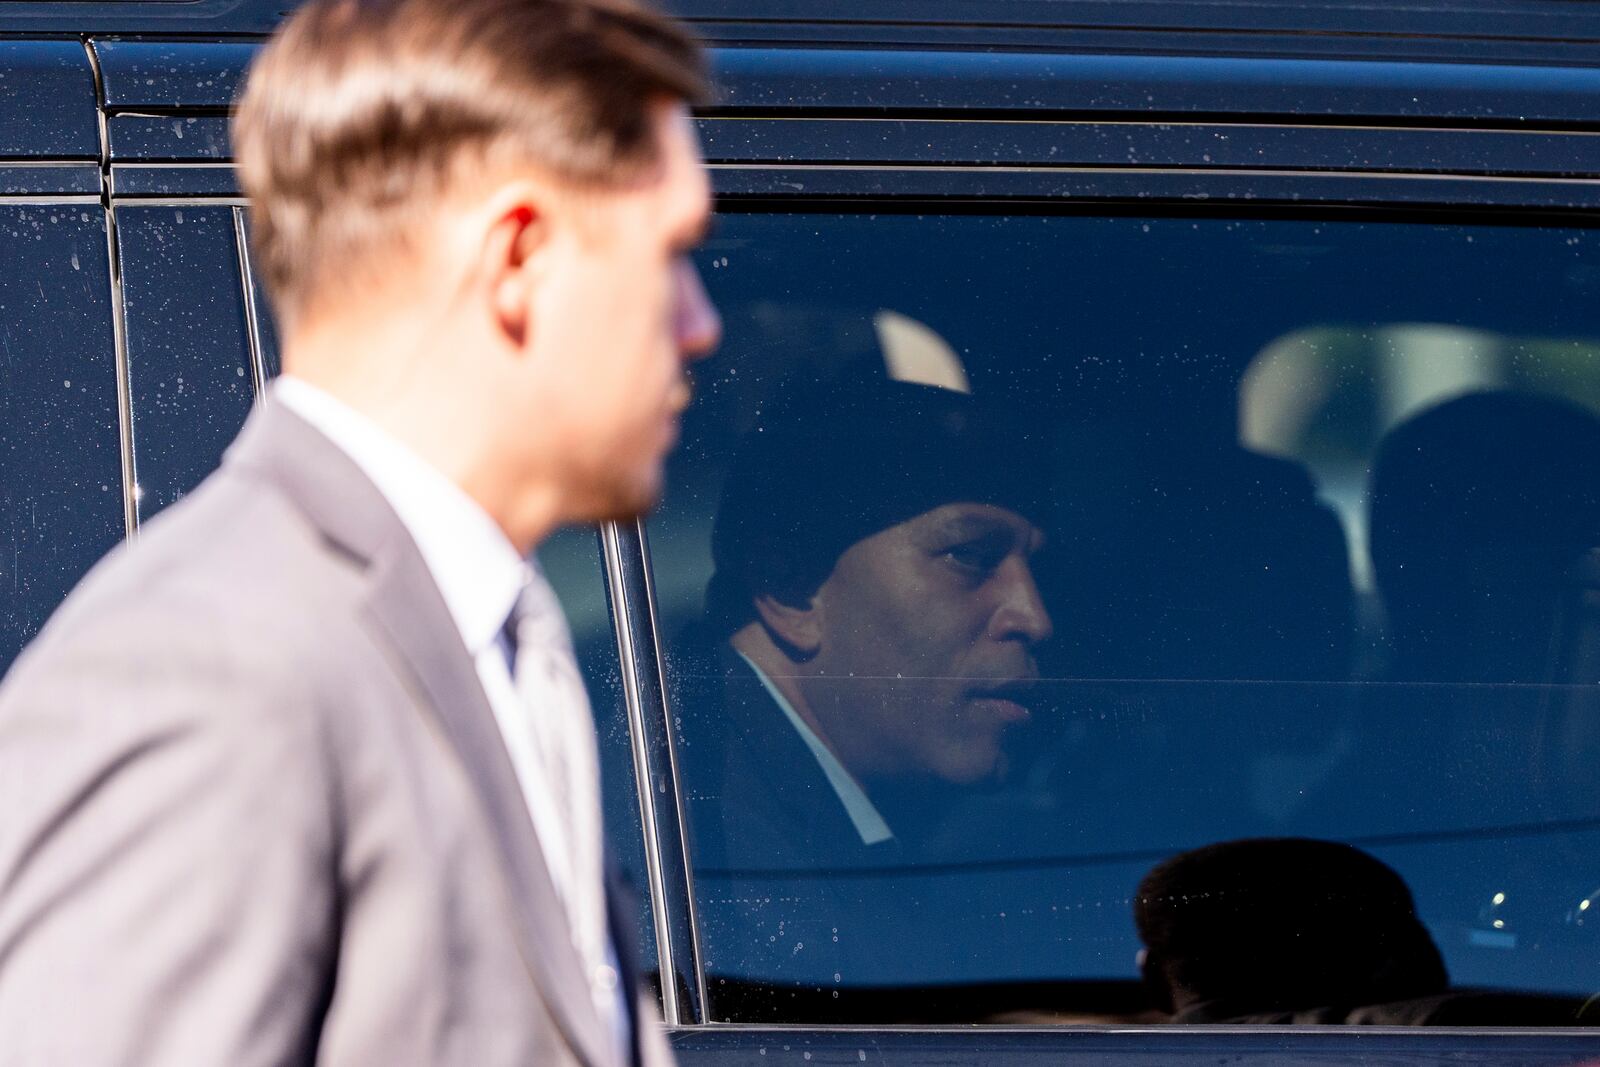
[
  {"x": 58, "y": 406},
  {"x": 1141, "y": 619}
]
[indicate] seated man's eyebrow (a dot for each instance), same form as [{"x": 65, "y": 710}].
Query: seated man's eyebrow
[{"x": 975, "y": 527}]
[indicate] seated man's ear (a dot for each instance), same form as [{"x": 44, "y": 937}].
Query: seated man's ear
[{"x": 793, "y": 623}]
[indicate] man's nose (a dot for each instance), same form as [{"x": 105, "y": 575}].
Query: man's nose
[
  {"x": 1022, "y": 614},
  {"x": 696, "y": 324}
]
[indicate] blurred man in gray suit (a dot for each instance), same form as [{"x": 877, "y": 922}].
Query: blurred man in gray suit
[{"x": 306, "y": 775}]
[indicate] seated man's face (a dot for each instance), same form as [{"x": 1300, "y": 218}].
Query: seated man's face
[{"x": 927, "y": 635}]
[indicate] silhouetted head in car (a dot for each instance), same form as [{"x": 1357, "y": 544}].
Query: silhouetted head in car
[
  {"x": 1481, "y": 508},
  {"x": 1267, "y": 925},
  {"x": 872, "y": 547}
]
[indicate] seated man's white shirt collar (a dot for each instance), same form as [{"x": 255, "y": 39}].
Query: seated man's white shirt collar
[
  {"x": 868, "y": 821},
  {"x": 478, "y": 572}
]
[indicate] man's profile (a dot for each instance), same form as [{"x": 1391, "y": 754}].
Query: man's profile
[
  {"x": 306, "y": 773},
  {"x": 872, "y": 622}
]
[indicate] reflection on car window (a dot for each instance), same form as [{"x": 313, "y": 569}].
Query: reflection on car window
[
  {"x": 58, "y": 406},
  {"x": 189, "y": 366},
  {"x": 1285, "y": 930},
  {"x": 1026, "y": 578}
]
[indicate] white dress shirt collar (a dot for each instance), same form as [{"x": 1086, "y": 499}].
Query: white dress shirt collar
[
  {"x": 478, "y": 572},
  {"x": 868, "y": 821}
]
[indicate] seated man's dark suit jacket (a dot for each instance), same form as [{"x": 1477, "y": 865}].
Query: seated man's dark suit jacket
[
  {"x": 786, "y": 891},
  {"x": 754, "y": 794},
  {"x": 255, "y": 809}
]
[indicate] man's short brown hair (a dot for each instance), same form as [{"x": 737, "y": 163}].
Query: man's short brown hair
[{"x": 360, "y": 111}]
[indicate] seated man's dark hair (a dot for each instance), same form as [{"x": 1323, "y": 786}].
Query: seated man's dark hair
[{"x": 832, "y": 461}]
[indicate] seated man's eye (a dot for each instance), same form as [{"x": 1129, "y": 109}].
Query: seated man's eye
[{"x": 976, "y": 555}]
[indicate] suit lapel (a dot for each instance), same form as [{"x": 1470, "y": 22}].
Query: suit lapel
[
  {"x": 407, "y": 607},
  {"x": 408, "y": 611},
  {"x": 622, "y": 910}
]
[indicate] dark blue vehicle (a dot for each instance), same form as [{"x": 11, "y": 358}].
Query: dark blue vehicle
[{"x": 1297, "y": 307}]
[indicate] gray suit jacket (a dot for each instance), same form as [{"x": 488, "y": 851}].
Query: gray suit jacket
[{"x": 255, "y": 809}]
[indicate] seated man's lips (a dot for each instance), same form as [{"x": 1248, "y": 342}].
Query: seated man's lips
[{"x": 1009, "y": 701}]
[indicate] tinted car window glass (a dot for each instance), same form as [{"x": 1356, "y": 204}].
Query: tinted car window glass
[
  {"x": 1037, "y": 590},
  {"x": 49, "y": 98},
  {"x": 189, "y": 365},
  {"x": 58, "y": 409}
]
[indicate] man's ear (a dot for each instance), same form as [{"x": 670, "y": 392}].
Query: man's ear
[
  {"x": 514, "y": 231},
  {"x": 795, "y": 623}
]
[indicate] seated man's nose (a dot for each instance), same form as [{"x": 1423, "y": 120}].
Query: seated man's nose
[
  {"x": 697, "y": 326},
  {"x": 1023, "y": 615},
  {"x": 1037, "y": 627}
]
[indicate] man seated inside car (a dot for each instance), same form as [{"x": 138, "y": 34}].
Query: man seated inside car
[{"x": 870, "y": 627}]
